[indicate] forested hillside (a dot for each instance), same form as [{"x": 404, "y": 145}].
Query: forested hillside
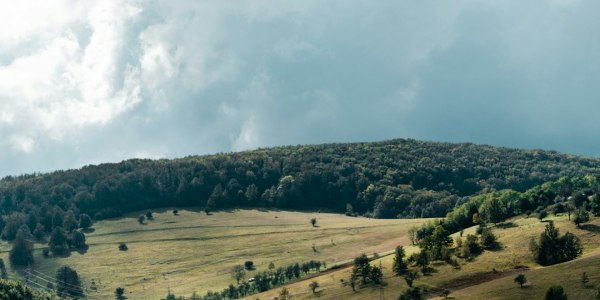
[{"x": 396, "y": 178}]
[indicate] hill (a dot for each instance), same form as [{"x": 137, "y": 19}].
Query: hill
[{"x": 396, "y": 178}]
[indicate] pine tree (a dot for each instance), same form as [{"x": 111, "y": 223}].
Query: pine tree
[{"x": 400, "y": 267}]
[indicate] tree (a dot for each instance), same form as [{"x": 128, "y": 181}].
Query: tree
[
  {"x": 584, "y": 279},
  {"x": 412, "y": 293},
  {"x": 284, "y": 293},
  {"x": 445, "y": 293},
  {"x": 85, "y": 221},
  {"x": 520, "y": 280},
  {"x": 552, "y": 248},
  {"x": 313, "y": 286},
  {"x": 412, "y": 234},
  {"x": 70, "y": 222},
  {"x": 149, "y": 215},
  {"x": 555, "y": 293},
  {"x": 78, "y": 240},
  {"x": 375, "y": 275},
  {"x": 3, "y": 272},
  {"x": 361, "y": 268},
  {"x": 349, "y": 210},
  {"x": 123, "y": 247},
  {"x": 271, "y": 266},
  {"x": 67, "y": 282},
  {"x": 249, "y": 265},
  {"x": 238, "y": 273},
  {"x": 21, "y": 254},
  {"x": 493, "y": 210},
  {"x": 58, "y": 241},
  {"x": 582, "y": 216},
  {"x": 488, "y": 239},
  {"x": 399, "y": 267},
  {"x": 410, "y": 276},
  {"x": 141, "y": 219},
  {"x": 313, "y": 222},
  {"x": 542, "y": 215},
  {"x": 120, "y": 293}
]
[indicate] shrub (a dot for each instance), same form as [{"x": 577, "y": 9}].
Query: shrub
[{"x": 249, "y": 265}]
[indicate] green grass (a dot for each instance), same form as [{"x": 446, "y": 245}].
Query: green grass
[
  {"x": 195, "y": 252},
  {"x": 476, "y": 279}
]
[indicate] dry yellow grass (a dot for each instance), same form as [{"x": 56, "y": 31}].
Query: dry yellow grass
[
  {"x": 515, "y": 253},
  {"x": 195, "y": 252}
]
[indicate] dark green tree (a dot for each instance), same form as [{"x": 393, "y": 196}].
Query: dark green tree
[
  {"x": 582, "y": 216},
  {"x": 399, "y": 267},
  {"x": 120, "y": 293},
  {"x": 67, "y": 283},
  {"x": 412, "y": 293},
  {"x": 520, "y": 280},
  {"x": 58, "y": 241},
  {"x": 21, "y": 254},
  {"x": 361, "y": 268},
  {"x": 555, "y": 292}
]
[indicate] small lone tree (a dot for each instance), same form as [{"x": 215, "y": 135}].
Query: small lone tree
[
  {"x": 249, "y": 265},
  {"x": 555, "y": 293},
  {"x": 445, "y": 293},
  {"x": 68, "y": 283},
  {"x": 313, "y": 222},
  {"x": 238, "y": 273},
  {"x": 149, "y": 215},
  {"x": 271, "y": 266},
  {"x": 120, "y": 293},
  {"x": 313, "y": 286},
  {"x": 412, "y": 234},
  {"x": 141, "y": 219},
  {"x": 520, "y": 280},
  {"x": 123, "y": 247},
  {"x": 584, "y": 279},
  {"x": 175, "y": 212},
  {"x": 542, "y": 215}
]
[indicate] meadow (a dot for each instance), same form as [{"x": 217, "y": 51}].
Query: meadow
[{"x": 193, "y": 251}]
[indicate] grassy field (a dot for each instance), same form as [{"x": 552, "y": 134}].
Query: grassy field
[
  {"x": 195, "y": 252},
  {"x": 477, "y": 279}
]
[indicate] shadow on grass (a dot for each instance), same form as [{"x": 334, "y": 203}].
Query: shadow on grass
[
  {"x": 506, "y": 225},
  {"x": 590, "y": 227}
]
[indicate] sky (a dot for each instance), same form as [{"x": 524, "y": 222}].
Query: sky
[{"x": 87, "y": 82}]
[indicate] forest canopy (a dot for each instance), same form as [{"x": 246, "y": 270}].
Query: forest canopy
[{"x": 390, "y": 179}]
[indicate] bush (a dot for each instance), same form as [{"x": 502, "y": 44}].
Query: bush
[
  {"x": 249, "y": 265},
  {"x": 123, "y": 247}
]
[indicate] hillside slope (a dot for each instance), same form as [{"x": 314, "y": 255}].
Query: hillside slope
[
  {"x": 396, "y": 178},
  {"x": 489, "y": 276}
]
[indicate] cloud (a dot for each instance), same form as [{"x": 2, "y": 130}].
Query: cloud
[{"x": 88, "y": 82}]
